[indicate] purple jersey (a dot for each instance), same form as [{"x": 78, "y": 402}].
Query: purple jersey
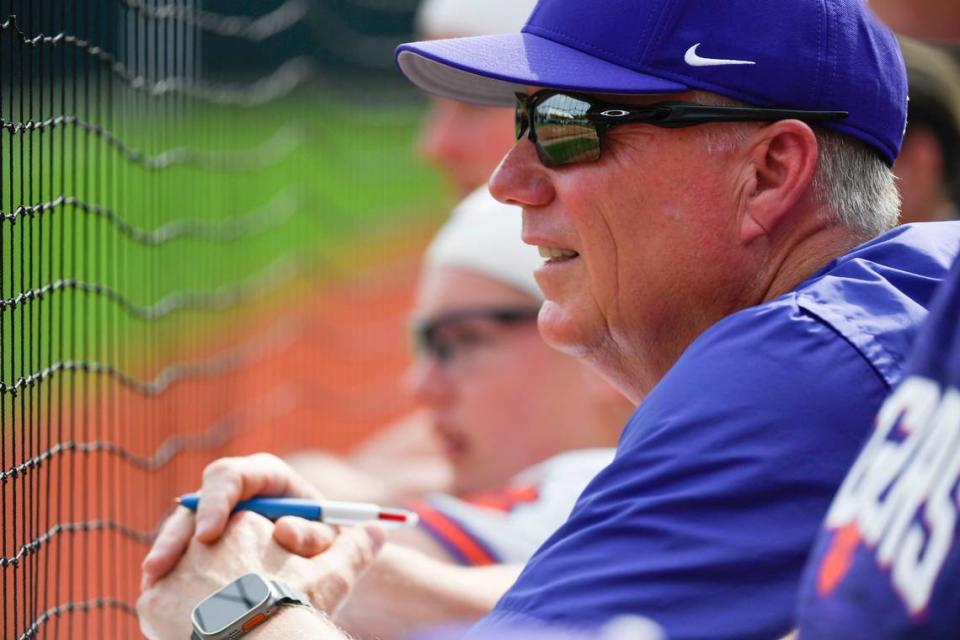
[{"x": 887, "y": 563}]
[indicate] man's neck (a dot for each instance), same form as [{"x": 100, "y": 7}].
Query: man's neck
[
  {"x": 788, "y": 266},
  {"x": 807, "y": 256}
]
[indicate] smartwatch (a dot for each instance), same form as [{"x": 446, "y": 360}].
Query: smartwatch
[{"x": 240, "y": 606}]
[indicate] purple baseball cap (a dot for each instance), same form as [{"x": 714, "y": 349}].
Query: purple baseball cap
[{"x": 829, "y": 55}]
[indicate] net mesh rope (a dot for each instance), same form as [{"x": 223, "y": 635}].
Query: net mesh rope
[{"x": 209, "y": 222}]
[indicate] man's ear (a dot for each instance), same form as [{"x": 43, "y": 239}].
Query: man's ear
[{"x": 778, "y": 173}]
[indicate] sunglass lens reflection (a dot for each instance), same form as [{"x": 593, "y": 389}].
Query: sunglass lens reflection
[{"x": 564, "y": 132}]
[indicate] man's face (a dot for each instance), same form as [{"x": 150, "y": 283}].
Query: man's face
[
  {"x": 466, "y": 142},
  {"x": 933, "y": 19},
  {"x": 653, "y": 227},
  {"x": 920, "y": 169},
  {"x": 499, "y": 402}
]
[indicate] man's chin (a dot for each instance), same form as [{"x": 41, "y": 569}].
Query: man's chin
[{"x": 561, "y": 331}]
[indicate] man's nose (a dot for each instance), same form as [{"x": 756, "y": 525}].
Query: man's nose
[
  {"x": 427, "y": 382},
  {"x": 521, "y": 179},
  {"x": 438, "y": 138}
]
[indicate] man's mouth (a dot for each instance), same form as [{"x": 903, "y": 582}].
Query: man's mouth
[{"x": 554, "y": 254}]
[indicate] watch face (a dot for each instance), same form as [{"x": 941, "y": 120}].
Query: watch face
[{"x": 230, "y": 604}]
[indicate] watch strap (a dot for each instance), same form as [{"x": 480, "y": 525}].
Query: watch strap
[
  {"x": 195, "y": 636},
  {"x": 289, "y": 595}
]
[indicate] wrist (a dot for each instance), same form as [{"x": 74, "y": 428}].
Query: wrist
[{"x": 294, "y": 623}]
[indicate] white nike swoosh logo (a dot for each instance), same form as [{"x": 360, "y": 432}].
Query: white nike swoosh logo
[{"x": 692, "y": 59}]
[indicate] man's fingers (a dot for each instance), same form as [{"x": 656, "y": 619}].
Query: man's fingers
[
  {"x": 170, "y": 544},
  {"x": 340, "y": 566},
  {"x": 354, "y": 548},
  {"x": 303, "y": 537},
  {"x": 231, "y": 480}
]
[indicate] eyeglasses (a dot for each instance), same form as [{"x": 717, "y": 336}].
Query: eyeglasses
[
  {"x": 445, "y": 336},
  {"x": 567, "y": 127}
]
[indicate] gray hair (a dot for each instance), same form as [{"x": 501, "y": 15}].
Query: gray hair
[{"x": 855, "y": 185}]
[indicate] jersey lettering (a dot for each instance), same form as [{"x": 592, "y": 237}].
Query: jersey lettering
[{"x": 901, "y": 494}]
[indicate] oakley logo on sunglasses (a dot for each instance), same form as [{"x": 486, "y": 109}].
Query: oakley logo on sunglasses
[{"x": 694, "y": 60}]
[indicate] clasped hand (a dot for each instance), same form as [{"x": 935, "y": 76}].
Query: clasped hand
[{"x": 195, "y": 555}]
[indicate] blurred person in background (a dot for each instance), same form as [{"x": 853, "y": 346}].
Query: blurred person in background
[
  {"x": 525, "y": 428},
  {"x": 465, "y": 142},
  {"x": 929, "y": 165},
  {"x": 932, "y": 19},
  {"x": 496, "y": 400}
]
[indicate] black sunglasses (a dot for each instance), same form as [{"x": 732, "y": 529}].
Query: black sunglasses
[
  {"x": 567, "y": 127},
  {"x": 428, "y": 337}
]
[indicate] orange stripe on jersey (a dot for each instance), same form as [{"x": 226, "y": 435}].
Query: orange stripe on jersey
[
  {"x": 838, "y": 558},
  {"x": 452, "y": 536},
  {"x": 507, "y": 499}
]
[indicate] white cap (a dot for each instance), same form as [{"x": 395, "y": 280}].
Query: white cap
[
  {"x": 483, "y": 236},
  {"x": 454, "y": 18}
]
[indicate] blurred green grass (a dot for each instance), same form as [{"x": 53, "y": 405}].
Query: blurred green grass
[{"x": 312, "y": 182}]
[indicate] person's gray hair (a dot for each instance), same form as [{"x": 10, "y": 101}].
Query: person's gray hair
[{"x": 855, "y": 185}]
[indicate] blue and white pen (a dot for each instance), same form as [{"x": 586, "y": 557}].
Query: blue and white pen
[{"x": 330, "y": 512}]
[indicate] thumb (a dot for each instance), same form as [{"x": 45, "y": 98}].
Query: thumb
[{"x": 339, "y": 567}]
